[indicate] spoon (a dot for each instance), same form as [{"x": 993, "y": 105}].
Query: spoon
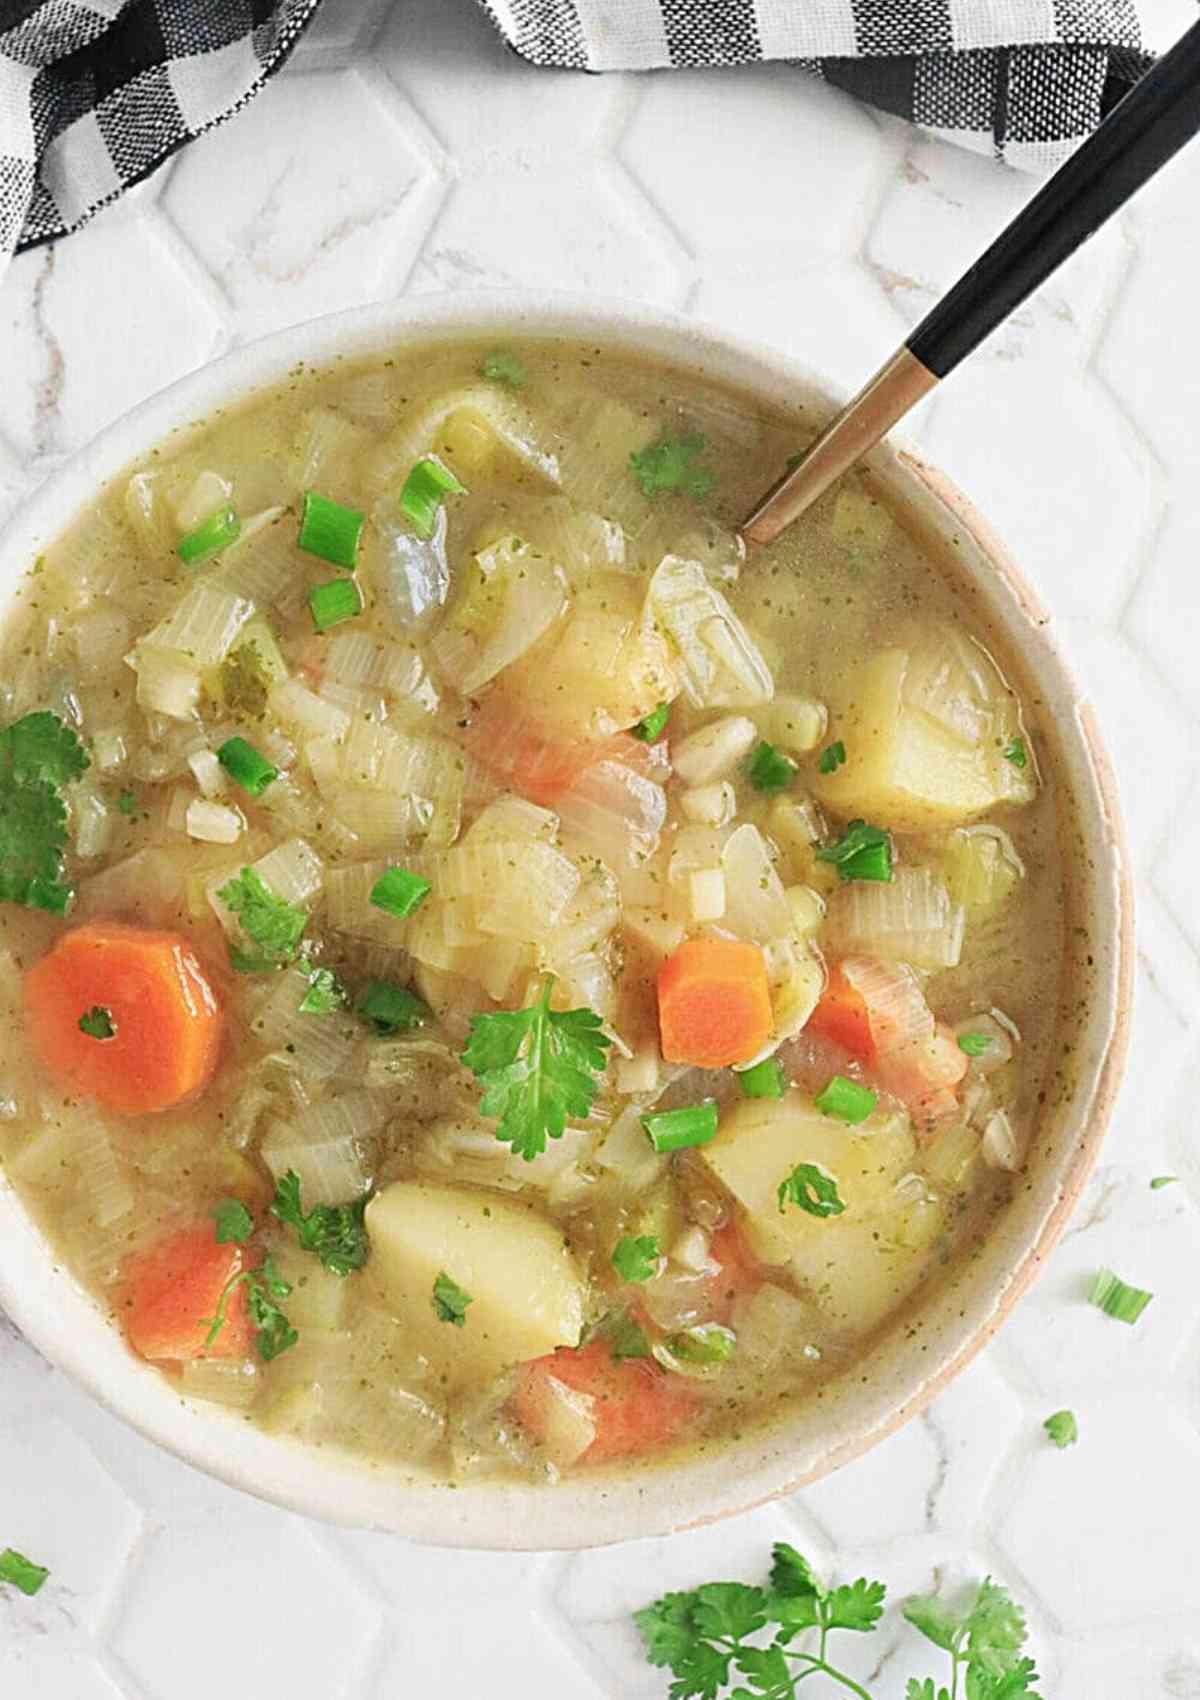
[{"x": 1139, "y": 136}]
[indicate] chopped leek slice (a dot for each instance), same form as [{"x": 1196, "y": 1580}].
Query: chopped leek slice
[
  {"x": 212, "y": 535},
  {"x": 334, "y": 602}
]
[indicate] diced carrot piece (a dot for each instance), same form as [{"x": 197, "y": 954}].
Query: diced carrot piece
[
  {"x": 173, "y": 1291},
  {"x": 638, "y": 1406},
  {"x": 841, "y": 1016},
  {"x": 164, "y": 1014},
  {"x": 523, "y": 758},
  {"x": 714, "y": 1003}
]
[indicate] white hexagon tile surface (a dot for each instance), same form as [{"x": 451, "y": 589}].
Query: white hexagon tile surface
[{"x": 403, "y": 149}]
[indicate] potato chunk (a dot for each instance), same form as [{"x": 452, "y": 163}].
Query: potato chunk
[
  {"x": 761, "y": 1141},
  {"x": 925, "y": 728},
  {"x": 527, "y": 1295}
]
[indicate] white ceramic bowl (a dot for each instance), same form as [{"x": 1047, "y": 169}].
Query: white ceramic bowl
[{"x": 906, "y": 1369}]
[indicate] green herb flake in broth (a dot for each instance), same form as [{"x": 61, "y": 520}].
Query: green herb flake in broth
[
  {"x": 1015, "y": 753},
  {"x": 233, "y": 1223},
  {"x": 832, "y": 757},
  {"x": 392, "y": 1009},
  {"x": 636, "y": 1258},
  {"x": 273, "y": 925},
  {"x": 501, "y": 367},
  {"x": 450, "y": 1301},
  {"x": 97, "y": 1023},
  {"x": 335, "y": 1234},
  {"x": 673, "y": 464},
  {"x": 813, "y": 1189},
  {"x": 862, "y": 853},
  {"x": 769, "y": 770}
]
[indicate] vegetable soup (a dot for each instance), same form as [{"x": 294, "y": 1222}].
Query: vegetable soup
[{"x": 494, "y": 978}]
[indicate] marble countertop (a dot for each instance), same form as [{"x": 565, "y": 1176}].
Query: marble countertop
[{"x": 404, "y": 150}]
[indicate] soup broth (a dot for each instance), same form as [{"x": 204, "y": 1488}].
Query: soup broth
[{"x": 493, "y": 977}]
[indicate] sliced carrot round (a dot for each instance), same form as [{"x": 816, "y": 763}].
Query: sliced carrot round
[
  {"x": 147, "y": 988},
  {"x": 637, "y": 1406},
  {"x": 842, "y": 1017},
  {"x": 714, "y": 1003},
  {"x": 172, "y": 1294}
]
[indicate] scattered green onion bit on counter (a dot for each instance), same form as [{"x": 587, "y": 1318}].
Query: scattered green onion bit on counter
[
  {"x": 1160, "y": 1181},
  {"x": 501, "y": 367},
  {"x": 654, "y": 725},
  {"x": 334, "y": 1233},
  {"x": 769, "y": 770},
  {"x": 330, "y": 604},
  {"x": 392, "y": 1009},
  {"x": 1115, "y": 1298},
  {"x": 398, "y": 892},
  {"x": 273, "y": 1332},
  {"x": 97, "y": 1023},
  {"x": 39, "y": 754},
  {"x": 425, "y": 489},
  {"x": 680, "y": 1130},
  {"x": 846, "y": 1100},
  {"x": 705, "y": 1343},
  {"x": 21, "y": 1572},
  {"x": 325, "y": 993},
  {"x": 974, "y": 1044},
  {"x": 212, "y": 535},
  {"x": 246, "y": 767},
  {"x": 1015, "y": 752},
  {"x": 636, "y": 1257},
  {"x": 1062, "y": 1428},
  {"x": 269, "y": 922},
  {"x": 862, "y": 853},
  {"x": 538, "y": 1066},
  {"x": 832, "y": 757},
  {"x": 765, "y": 1080},
  {"x": 127, "y": 803},
  {"x": 626, "y": 1338},
  {"x": 673, "y": 463},
  {"x": 812, "y": 1188},
  {"x": 233, "y": 1223},
  {"x": 450, "y": 1302},
  {"x": 330, "y": 531}
]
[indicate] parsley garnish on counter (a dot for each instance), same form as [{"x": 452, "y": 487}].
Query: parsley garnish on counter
[
  {"x": 39, "y": 754},
  {"x": 706, "y": 1636},
  {"x": 1062, "y": 1428},
  {"x": 334, "y": 1233},
  {"x": 537, "y": 1066},
  {"x": 274, "y": 926},
  {"x": 21, "y": 1572}
]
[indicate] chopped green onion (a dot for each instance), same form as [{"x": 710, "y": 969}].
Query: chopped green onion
[
  {"x": 706, "y": 1343},
  {"x": 21, "y": 1572},
  {"x": 450, "y": 1301},
  {"x": 812, "y": 1188},
  {"x": 636, "y": 1257},
  {"x": 846, "y": 1100},
  {"x": 127, "y": 803},
  {"x": 425, "y": 488},
  {"x": 330, "y": 531},
  {"x": 1015, "y": 752},
  {"x": 677, "y": 1130},
  {"x": 392, "y": 1009},
  {"x": 769, "y": 770},
  {"x": 501, "y": 367},
  {"x": 1160, "y": 1181},
  {"x": 98, "y": 1023},
  {"x": 1062, "y": 1428},
  {"x": 974, "y": 1044},
  {"x": 246, "y": 767},
  {"x": 1111, "y": 1295},
  {"x": 398, "y": 892},
  {"x": 765, "y": 1080},
  {"x": 233, "y": 1223},
  {"x": 862, "y": 853},
  {"x": 654, "y": 724},
  {"x": 212, "y": 535},
  {"x": 334, "y": 602},
  {"x": 832, "y": 757}
]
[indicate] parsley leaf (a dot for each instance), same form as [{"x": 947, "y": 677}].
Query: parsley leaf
[
  {"x": 38, "y": 755},
  {"x": 636, "y": 1257},
  {"x": 1062, "y": 1428},
  {"x": 234, "y": 1223},
  {"x": 672, "y": 463},
  {"x": 21, "y": 1572},
  {"x": 97, "y": 1023},
  {"x": 273, "y": 925},
  {"x": 263, "y": 1285},
  {"x": 325, "y": 993},
  {"x": 537, "y": 1067},
  {"x": 450, "y": 1301},
  {"x": 1015, "y": 752},
  {"x": 855, "y": 1605},
  {"x": 813, "y": 1189},
  {"x": 334, "y": 1233},
  {"x": 935, "y": 1620},
  {"x": 832, "y": 757},
  {"x": 862, "y": 853},
  {"x": 925, "y": 1690}
]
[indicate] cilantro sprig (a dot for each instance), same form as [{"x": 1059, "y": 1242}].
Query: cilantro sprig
[
  {"x": 334, "y": 1233},
  {"x": 538, "y": 1066},
  {"x": 274, "y": 926},
  {"x": 39, "y": 754},
  {"x": 673, "y": 463},
  {"x": 264, "y": 1285},
  {"x": 706, "y": 1636}
]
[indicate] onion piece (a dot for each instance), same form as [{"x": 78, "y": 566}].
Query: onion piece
[
  {"x": 911, "y": 919},
  {"x": 563, "y": 1419},
  {"x": 203, "y": 626},
  {"x": 722, "y": 666},
  {"x": 756, "y": 906},
  {"x": 307, "y": 713},
  {"x": 232, "y": 1382},
  {"x": 513, "y": 597},
  {"x": 614, "y": 813},
  {"x": 328, "y": 1145}
]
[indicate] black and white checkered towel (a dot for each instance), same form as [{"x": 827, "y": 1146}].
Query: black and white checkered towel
[{"x": 95, "y": 93}]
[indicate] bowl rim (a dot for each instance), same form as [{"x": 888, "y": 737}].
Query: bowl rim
[{"x": 69, "y": 1328}]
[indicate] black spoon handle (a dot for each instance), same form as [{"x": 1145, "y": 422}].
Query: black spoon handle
[{"x": 1139, "y": 136}]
